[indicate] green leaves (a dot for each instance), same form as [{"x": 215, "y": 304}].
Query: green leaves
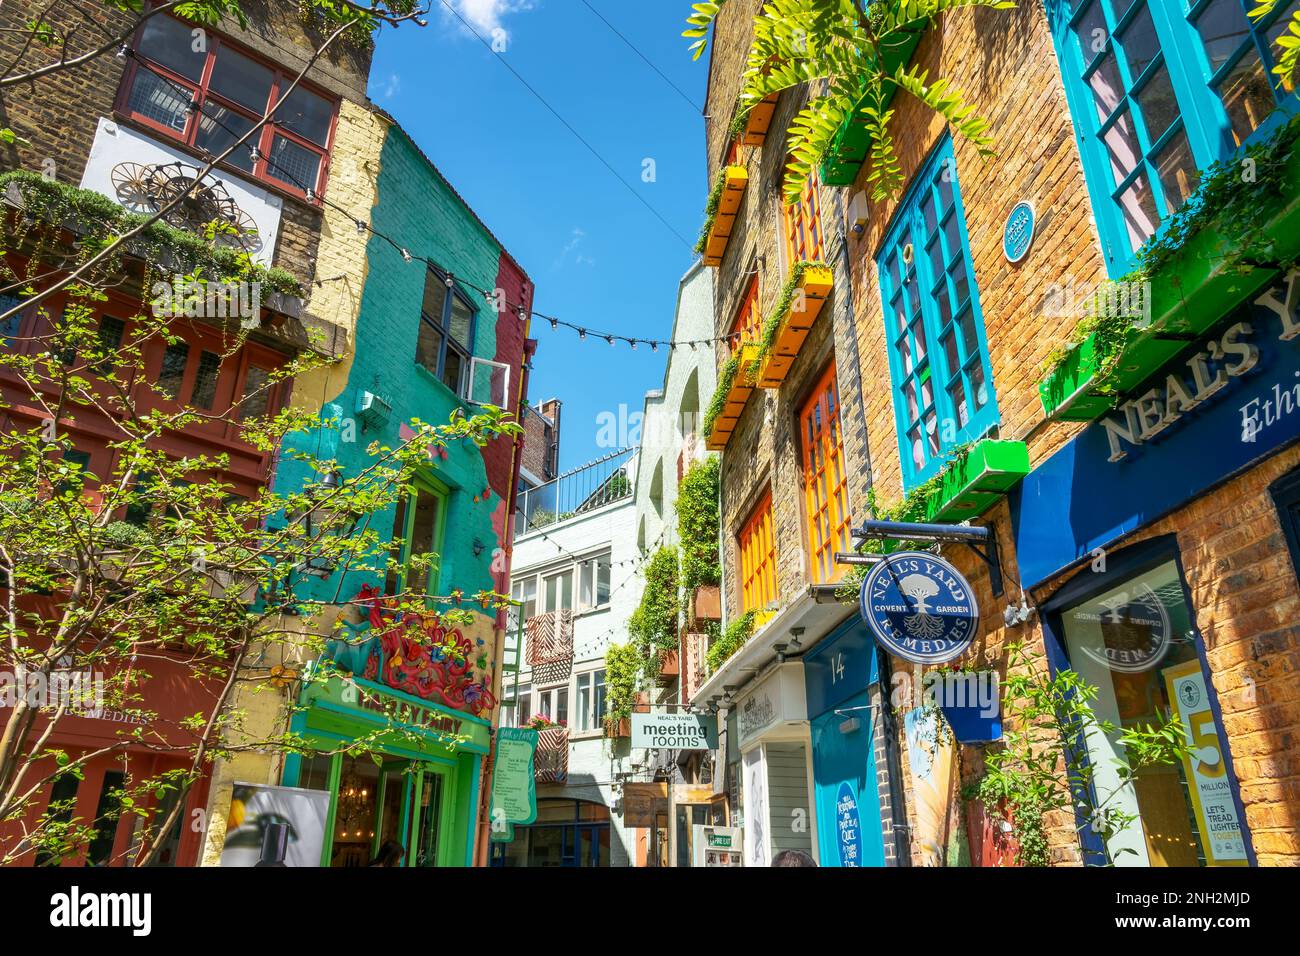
[
  {"x": 1288, "y": 42},
  {"x": 843, "y": 55},
  {"x": 700, "y": 20}
]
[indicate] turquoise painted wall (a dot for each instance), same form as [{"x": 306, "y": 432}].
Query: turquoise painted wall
[{"x": 420, "y": 211}]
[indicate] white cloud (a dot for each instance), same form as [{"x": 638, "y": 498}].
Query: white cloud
[
  {"x": 391, "y": 86},
  {"x": 485, "y": 16},
  {"x": 579, "y": 258}
]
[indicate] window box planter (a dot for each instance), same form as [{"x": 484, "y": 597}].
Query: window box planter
[
  {"x": 708, "y": 603},
  {"x": 734, "y": 180},
  {"x": 758, "y": 121},
  {"x": 973, "y": 484},
  {"x": 1192, "y": 292},
  {"x": 812, "y": 287},
  {"x": 849, "y": 149},
  {"x": 618, "y": 728},
  {"x": 669, "y": 666},
  {"x": 741, "y": 387}
]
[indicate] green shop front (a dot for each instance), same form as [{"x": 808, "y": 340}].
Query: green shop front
[{"x": 416, "y": 784}]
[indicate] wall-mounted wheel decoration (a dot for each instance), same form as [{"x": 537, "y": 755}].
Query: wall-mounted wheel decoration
[{"x": 146, "y": 188}]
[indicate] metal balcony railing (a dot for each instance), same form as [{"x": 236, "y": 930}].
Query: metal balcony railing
[
  {"x": 594, "y": 485},
  {"x": 551, "y": 763}
]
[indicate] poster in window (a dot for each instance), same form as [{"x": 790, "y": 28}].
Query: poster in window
[{"x": 1206, "y": 767}]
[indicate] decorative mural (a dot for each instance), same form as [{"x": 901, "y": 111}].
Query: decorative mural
[{"x": 416, "y": 653}]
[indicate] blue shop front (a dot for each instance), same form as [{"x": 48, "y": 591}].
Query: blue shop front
[
  {"x": 1160, "y": 545},
  {"x": 842, "y": 690}
]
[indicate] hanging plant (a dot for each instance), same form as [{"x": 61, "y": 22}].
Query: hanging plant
[{"x": 697, "y": 524}]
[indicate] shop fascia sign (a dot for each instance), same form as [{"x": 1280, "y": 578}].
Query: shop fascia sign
[
  {"x": 778, "y": 699},
  {"x": 1229, "y": 355}
]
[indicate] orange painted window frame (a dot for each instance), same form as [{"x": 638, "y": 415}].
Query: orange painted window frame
[
  {"x": 803, "y": 226},
  {"x": 748, "y": 324},
  {"x": 825, "y": 479},
  {"x": 757, "y": 545}
]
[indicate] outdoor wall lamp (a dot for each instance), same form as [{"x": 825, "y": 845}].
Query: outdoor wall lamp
[{"x": 479, "y": 547}]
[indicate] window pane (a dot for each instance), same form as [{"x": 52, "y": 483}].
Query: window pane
[
  {"x": 294, "y": 164},
  {"x": 979, "y": 390},
  {"x": 1177, "y": 171},
  {"x": 1247, "y": 95},
  {"x": 239, "y": 78},
  {"x": 111, "y": 333},
  {"x": 13, "y": 323},
  {"x": 1139, "y": 209},
  {"x": 258, "y": 396},
  {"x": 156, "y": 99},
  {"x": 218, "y": 128},
  {"x": 1223, "y": 27},
  {"x": 1122, "y": 143},
  {"x": 428, "y": 346},
  {"x": 452, "y": 368},
  {"x": 562, "y": 706},
  {"x": 175, "y": 358},
  {"x": 1159, "y": 107},
  {"x": 462, "y": 317},
  {"x": 435, "y": 297},
  {"x": 306, "y": 114},
  {"x": 1092, "y": 32},
  {"x": 423, "y": 529},
  {"x": 1140, "y": 44},
  {"x": 205, "y": 380},
  {"x": 1107, "y": 87},
  {"x": 171, "y": 43}
]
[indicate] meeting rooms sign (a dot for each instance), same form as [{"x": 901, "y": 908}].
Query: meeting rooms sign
[{"x": 674, "y": 731}]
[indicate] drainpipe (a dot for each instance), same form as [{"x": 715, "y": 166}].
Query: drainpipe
[{"x": 483, "y": 832}]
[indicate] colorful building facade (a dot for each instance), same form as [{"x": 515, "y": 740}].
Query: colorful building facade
[{"x": 1138, "y": 476}]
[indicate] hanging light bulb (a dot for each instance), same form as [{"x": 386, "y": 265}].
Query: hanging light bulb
[
  {"x": 450, "y": 280},
  {"x": 582, "y": 333},
  {"x": 361, "y": 228},
  {"x": 311, "y": 194},
  {"x": 123, "y": 52},
  {"x": 654, "y": 346},
  {"x": 406, "y": 255},
  {"x": 255, "y": 154},
  {"x": 610, "y": 340},
  {"x": 523, "y": 315},
  {"x": 555, "y": 324},
  {"x": 632, "y": 342}
]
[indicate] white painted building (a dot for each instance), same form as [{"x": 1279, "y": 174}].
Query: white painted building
[
  {"x": 671, "y": 432},
  {"x": 576, "y": 574}
]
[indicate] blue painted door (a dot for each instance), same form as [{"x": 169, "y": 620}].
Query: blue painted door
[{"x": 848, "y": 801}]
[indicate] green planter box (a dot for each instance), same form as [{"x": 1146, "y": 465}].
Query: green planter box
[
  {"x": 991, "y": 469},
  {"x": 852, "y": 142},
  {"x": 1188, "y": 296}
]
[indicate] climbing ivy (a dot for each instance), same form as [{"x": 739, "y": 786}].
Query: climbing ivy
[
  {"x": 733, "y": 638},
  {"x": 653, "y": 625},
  {"x": 622, "y": 667},
  {"x": 697, "y": 524}
]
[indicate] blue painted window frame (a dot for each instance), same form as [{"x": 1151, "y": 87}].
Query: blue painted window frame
[
  {"x": 441, "y": 326},
  {"x": 932, "y": 221},
  {"x": 1202, "y": 114}
]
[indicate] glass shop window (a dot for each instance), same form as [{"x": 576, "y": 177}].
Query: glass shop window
[{"x": 1136, "y": 644}]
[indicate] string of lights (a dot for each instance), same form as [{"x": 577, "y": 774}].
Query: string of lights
[{"x": 491, "y": 296}]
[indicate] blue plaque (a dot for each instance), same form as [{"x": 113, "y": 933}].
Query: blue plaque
[
  {"x": 1018, "y": 234},
  {"x": 919, "y": 607}
]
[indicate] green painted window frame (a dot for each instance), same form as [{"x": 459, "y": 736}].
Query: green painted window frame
[{"x": 428, "y": 485}]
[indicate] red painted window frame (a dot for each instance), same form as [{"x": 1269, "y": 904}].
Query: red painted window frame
[{"x": 200, "y": 91}]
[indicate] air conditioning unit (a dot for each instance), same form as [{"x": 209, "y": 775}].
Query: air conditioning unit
[{"x": 372, "y": 409}]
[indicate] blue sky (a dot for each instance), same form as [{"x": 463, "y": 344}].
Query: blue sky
[{"x": 596, "y": 255}]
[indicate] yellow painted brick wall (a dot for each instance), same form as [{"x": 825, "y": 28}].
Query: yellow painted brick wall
[{"x": 341, "y": 264}]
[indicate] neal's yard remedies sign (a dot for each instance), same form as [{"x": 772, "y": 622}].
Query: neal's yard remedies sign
[
  {"x": 678, "y": 731},
  {"x": 1227, "y": 401},
  {"x": 919, "y": 607}
]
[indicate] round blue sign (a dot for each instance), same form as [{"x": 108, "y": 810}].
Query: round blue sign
[
  {"x": 919, "y": 607},
  {"x": 848, "y": 826},
  {"x": 1018, "y": 234}
]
